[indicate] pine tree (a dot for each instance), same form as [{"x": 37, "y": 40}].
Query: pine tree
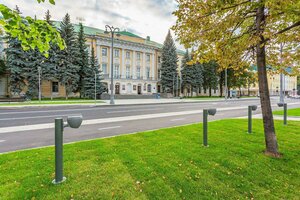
[
  {"x": 91, "y": 71},
  {"x": 210, "y": 77},
  {"x": 68, "y": 68},
  {"x": 187, "y": 72},
  {"x": 16, "y": 63},
  {"x": 50, "y": 66},
  {"x": 169, "y": 64},
  {"x": 83, "y": 57}
]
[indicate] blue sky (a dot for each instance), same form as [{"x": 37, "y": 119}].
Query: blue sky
[{"x": 143, "y": 17}]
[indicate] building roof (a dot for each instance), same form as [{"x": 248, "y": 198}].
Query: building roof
[{"x": 94, "y": 31}]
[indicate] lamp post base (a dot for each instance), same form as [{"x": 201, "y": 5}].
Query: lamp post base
[
  {"x": 112, "y": 102},
  {"x": 56, "y": 183}
]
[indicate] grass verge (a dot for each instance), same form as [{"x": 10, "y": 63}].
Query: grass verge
[
  {"x": 163, "y": 164},
  {"x": 291, "y": 112}
]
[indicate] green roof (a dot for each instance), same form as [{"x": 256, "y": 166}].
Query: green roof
[{"x": 94, "y": 31}]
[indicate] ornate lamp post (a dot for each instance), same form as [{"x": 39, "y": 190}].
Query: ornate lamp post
[{"x": 112, "y": 30}]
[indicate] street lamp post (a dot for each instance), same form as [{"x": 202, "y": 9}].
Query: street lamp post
[
  {"x": 281, "y": 100},
  {"x": 112, "y": 30},
  {"x": 226, "y": 87},
  {"x": 40, "y": 94},
  {"x": 95, "y": 88}
]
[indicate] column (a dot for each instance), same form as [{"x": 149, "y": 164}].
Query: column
[
  {"x": 123, "y": 71},
  {"x": 153, "y": 66},
  {"x": 143, "y": 68},
  {"x": 133, "y": 64}
]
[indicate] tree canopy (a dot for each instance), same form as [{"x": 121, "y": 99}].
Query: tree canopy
[{"x": 30, "y": 32}]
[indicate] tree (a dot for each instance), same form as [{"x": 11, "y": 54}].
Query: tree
[
  {"x": 91, "y": 71},
  {"x": 169, "y": 64},
  {"x": 3, "y": 67},
  {"x": 187, "y": 72},
  {"x": 16, "y": 64},
  {"x": 298, "y": 85},
  {"x": 240, "y": 28},
  {"x": 83, "y": 57},
  {"x": 31, "y": 33},
  {"x": 68, "y": 58},
  {"x": 210, "y": 78}
]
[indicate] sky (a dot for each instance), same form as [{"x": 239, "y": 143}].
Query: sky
[{"x": 142, "y": 17}]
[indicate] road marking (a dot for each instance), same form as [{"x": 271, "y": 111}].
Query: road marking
[
  {"x": 35, "y": 117},
  {"x": 105, "y": 128},
  {"x": 113, "y": 119},
  {"x": 2, "y": 141},
  {"x": 136, "y": 110},
  {"x": 179, "y": 119}
]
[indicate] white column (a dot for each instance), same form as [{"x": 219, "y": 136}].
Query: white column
[
  {"x": 153, "y": 66},
  {"x": 123, "y": 75},
  {"x": 133, "y": 64},
  {"x": 143, "y": 71}
]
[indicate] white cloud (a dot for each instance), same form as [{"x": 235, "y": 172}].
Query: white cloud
[{"x": 143, "y": 17}]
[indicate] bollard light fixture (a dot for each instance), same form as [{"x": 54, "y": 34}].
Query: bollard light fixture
[
  {"x": 250, "y": 109},
  {"x": 72, "y": 122},
  {"x": 207, "y": 112},
  {"x": 284, "y": 105}
]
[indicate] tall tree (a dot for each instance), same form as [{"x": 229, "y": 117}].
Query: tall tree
[
  {"x": 223, "y": 29},
  {"x": 187, "y": 72},
  {"x": 298, "y": 85},
  {"x": 169, "y": 64},
  {"x": 92, "y": 77},
  {"x": 210, "y": 77},
  {"x": 83, "y": 57},
  {"x": 68, "y": 58},
  {"x": 3, "y": 67},
  {"x": 16, "y": 64}
]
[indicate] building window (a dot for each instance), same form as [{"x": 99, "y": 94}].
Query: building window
[
  {"x": 127, "y": 54},
  {"x": 149, "y": 88},
  {"x": 117, "y": 53},
  {"x": 104, "y": 51},
  {"x": 148, "y": 72},
  {"x": 158, "y": 59},
  {"x": 148, "y": 58},
  {"x": 127, "y": 71},
  {"x": 54, "y": 87},
  {"x": 138, "y": 55},
  {"x": 145, "y": 85},
  {"x": 116, "y": 70},
  {"x": 138, "y": 72},
  {"x": 123, "y": 87},
  {"x": 134, "y": 87},
  {"x": 104, "y": 68},
  {"x": 159, "y": 73}
]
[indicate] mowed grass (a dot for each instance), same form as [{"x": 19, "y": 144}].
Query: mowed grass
[
  {"x": 162, "y": 164},
  {"x": 291, "y": 112}
]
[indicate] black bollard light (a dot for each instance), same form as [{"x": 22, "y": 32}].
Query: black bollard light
[
  {"x": 250, "y": 109},
  {"x": 73, "y": 122},
  {"x": 284, "y": 105},
  {"x": 207, "y": 112}
]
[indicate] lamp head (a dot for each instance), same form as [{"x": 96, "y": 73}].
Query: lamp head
[
  {"x": 280, "y": 104},
  {"x": 253, "y": 107},
  {"x": 212, "y": 111},
  {"x": 74, "y": 121}
]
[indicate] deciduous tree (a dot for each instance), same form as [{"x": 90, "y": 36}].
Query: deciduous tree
[{"x": 239, "y": 28}]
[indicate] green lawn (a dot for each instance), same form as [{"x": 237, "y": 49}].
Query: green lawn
[
  {"x": 163, "y": 164},
  {"x": 51, "y": 102},
  {"x": 291, "y": 112}
]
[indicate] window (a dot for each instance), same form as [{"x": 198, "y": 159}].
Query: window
[
  {"x": 138, "y": 56},
  {"x": 158, "y": 59},
  {"x": 134, "y": 87},
  {"x": 159, "y": 73},
  {"x": 104, "y": 51},
  {"x": 138, "y": 72},
  {"x": 123, "y": 87},
  {"x": 55, "y": 87},
  {"x": 149, "y": 88},
  {"x": 117, "y": 53},
  {"x": 127, "y": 54},
  {"x": 116, "y": 70},
  {"x": 148, "y": 58},
  {"x": 104, "y": 68},
  {"x": 145, "y": 85},
  {"x": 148, "y": 72},
  {"x": 127, "y": 71}
]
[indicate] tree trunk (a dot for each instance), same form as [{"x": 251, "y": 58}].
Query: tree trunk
[
  {"x": 209, "y": 91},
  {"x": 269, "y": 129}
]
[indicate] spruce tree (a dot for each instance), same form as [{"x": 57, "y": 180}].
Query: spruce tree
[
  {"x": 187, "y": 72},
  {"x": 89, "y": 79},
  {"x": 169, "y": 64},
  {"x": 68, "y": 68},
  {"x": 83, "y": 58},
  {"x": 210, "y": 77},
  {"x": 16, "y": 63}
]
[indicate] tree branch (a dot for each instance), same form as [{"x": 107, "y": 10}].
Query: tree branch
[{"x": 284, "y": 30}]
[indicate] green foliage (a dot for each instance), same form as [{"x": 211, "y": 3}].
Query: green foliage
[
  {"x": 16, "y": 64},
  {"x": 162, "y": 164},
  {"x": 89, "y": 78},
  {"x": 68, "y": 58},
  {"x": 210, "y": 77},
  {"x": 298, "y": 85},
  {"x": 169, "y": 64},
  {"x": 33, "y": 34},
  {"x": 3, "y": 67},
  {"x": 83, "y": 60}
]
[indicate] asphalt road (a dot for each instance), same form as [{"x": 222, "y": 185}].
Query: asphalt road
[{"x": 31, "y": 127}]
